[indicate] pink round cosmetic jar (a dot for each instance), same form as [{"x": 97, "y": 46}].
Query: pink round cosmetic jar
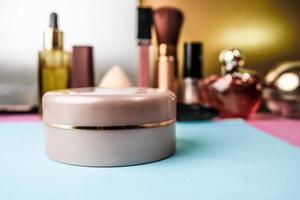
[{"x": 109, "y": 127}]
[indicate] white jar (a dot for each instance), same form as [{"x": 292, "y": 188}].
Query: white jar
[{"x": 109, "y": 127}]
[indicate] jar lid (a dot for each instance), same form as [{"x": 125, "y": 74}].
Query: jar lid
[{"x": 108, "y": 106}]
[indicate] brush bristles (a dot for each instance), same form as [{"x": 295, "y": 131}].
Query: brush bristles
[{"x": 168, "y": 22}]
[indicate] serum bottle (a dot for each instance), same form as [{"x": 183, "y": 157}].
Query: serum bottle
[{"x": 54, "y": 62}]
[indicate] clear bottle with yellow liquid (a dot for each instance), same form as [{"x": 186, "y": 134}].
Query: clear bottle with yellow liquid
[{"x": 54, "y": 62}]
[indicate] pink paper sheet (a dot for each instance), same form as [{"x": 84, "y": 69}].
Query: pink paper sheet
[
  {"x": 20, "y": 118},
  {"x": 283, "y": 128}
]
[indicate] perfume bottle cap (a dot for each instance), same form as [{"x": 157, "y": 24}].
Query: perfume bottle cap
[
  {"x": 192, "y": 66},
  {"x": 232, "y": 60},
  {"x": 144, "y": 23},
  {"x": 82, "y": 67}
]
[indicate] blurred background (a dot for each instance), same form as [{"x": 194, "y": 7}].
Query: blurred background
[{"x": 267, "y": 31}]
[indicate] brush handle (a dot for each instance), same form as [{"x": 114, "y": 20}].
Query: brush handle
[
  {"x": 165, "y": 73},
  {"x": 166, "y": 68}
]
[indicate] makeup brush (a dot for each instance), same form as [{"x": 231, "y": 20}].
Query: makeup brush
[{"x": 167, "y": 23}]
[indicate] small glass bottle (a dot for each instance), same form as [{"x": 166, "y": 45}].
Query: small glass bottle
[
  {"x": 190, "y": 106},
  {"x": 54, "y": 62},
  {"x": 237, "y": 93},
  {"x": 192, "y": 73}
]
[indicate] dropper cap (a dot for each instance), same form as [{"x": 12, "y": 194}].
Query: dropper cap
[
  {"x": 53, "y": 37},
  {"x": 53, "y": 20},
  {"x": 192, "y": 66}
]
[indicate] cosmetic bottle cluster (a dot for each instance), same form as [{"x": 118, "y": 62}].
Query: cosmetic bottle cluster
[{"x": 234, "y": 94}]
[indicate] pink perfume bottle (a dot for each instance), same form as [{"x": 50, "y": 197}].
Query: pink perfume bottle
[
  {"x": 237, "y": 93},
  {"x": 281, "y": 90}
]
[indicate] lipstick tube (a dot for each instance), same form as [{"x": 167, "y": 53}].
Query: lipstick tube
[
  {"x": 144, "y": 63},
  {"x": 144, "y": 42}
]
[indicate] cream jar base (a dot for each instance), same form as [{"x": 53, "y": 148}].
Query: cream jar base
[{"x": 110, "y": 148}]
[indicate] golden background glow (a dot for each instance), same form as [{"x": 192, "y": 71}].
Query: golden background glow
[{"x": 267, "y": 31}]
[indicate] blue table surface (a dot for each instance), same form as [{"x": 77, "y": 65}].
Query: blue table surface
[{"x": 214, "y": 160}]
